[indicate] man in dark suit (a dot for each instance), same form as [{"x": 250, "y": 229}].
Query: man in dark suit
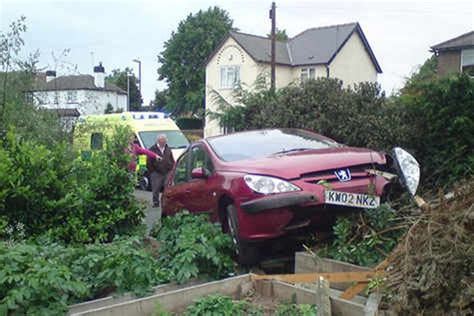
[{"x": 159, "y": 168}]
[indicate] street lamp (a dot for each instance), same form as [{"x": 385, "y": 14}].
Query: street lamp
[
  {"x": 139, "y": 74},
  {"x": 128, "y": 91}
]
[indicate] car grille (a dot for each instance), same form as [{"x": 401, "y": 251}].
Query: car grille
[{"x": 357, "y": 172}]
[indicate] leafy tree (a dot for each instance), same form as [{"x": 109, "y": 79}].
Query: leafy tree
[
  {"x": 161, "y": 100},
  {"x": 183, "y": 59},
  {"x": 425, "y": 73},
  {"x": 280, "y": 35},
  {"x": 17, "y": 75},
  {"x": 119, "y": 78}
]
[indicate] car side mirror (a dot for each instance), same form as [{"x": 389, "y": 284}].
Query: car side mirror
[
  {"x": 199, "y": 173},
  {"x": 408, "y": 169}
]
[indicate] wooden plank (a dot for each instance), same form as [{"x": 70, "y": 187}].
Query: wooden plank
[
  {"x": 335, "y": 277},
  {"x": 354, "y": 290},
  {"x": 372, "y": 305},
  {"x": 170, "y": 301}
]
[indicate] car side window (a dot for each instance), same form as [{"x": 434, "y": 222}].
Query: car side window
[
  {"x": 181, "y": 171},
  {"x": 200, "y": 159}
]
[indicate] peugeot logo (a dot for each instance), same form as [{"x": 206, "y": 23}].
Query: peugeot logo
[{"x": 343, "y": 175}]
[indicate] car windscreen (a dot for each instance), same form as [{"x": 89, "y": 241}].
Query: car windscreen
[
  {"x": 256, "y": 144},
  {"x": 176, "y": 139}
]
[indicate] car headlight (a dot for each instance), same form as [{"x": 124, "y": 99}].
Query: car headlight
[
  {"x": 408, "y": 169},
  {"x": 269, "y": 185}
]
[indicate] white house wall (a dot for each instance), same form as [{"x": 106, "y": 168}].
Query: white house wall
[
  {"x": 230, "y": 54},
  {"x": 353, "y": 64},
  {"x": 86, "y": 101}
]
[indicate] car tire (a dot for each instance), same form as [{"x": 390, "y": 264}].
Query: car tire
[{"x": 246, "y": 254}]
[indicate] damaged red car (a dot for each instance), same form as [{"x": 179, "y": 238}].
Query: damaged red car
[{"x": 265, "y": 184}]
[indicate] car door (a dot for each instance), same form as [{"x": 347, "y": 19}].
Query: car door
[
  {"x": 174, "y": 195},
  {"x": 201, "y": 192}
]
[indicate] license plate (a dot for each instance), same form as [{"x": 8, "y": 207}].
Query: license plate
[{"x": 351, "y": 199}]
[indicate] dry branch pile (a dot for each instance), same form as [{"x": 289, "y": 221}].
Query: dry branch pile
[{"x": 432, "y": 269}]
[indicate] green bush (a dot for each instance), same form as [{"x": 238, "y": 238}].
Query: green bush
[
  {"x": 44, "y": 278},
  {"x": 441, "y": 114},
  {"x": 219, "y": 305},
  {"x": 189, "y": 123},
  {"x": 357, "y": 116},
  {"x": 190, "y": 246},
  {"x": 364, "y": 238},
  {"x": 47, "y": 190}
]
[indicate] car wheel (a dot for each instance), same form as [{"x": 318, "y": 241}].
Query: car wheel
[{"x": 247, "y": 254}]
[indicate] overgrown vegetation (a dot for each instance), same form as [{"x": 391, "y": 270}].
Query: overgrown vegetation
[
  {"x": 223, "y": 305},
  {"x": 48, "y": 190},
  {"x": 365, "y": 238},
  {"x": 219, "y": 305},
  {"x": 434, "y": 118},
  {"x": 431, "y": 269},
  {"x": 190, "y": 246},
  {"x": 42, "y": 277}
]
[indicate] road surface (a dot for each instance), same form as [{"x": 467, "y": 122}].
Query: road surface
[{"x": 152, "y": 214}]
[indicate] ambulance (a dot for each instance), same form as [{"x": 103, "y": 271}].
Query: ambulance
[{"x": 90, "y": 131}]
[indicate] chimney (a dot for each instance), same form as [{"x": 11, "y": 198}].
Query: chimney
[
  {"x": 50, "y": 75},
  {"x": 99, "y": 76}
]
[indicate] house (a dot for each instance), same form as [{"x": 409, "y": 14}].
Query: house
[
  {"x": 455, "y": 55},
  {"x": 339, "y": 51},
  {"x": 71, "y": 96}
]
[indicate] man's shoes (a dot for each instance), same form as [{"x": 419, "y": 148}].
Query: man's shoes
[{"x": 156, "y": 204}]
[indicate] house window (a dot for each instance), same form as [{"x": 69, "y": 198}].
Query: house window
[
  {"x": 467, "y": 61},
  {"x": 56, "y": 97},
  {"x": 72, "y": 96},
  {"x": 97, "y": 140},
  {"x": 230, "y": 77},
  {"x": 42, "y": 97},
  {"x": 307, "y": 73}
]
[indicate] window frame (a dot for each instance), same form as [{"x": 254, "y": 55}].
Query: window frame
[
  {"x": 207, "y": 164},
  {"x": 225, "y": 69},
  {"x": 93, "y": 145},
  {"x": 307, "y": 73},
  {"x": 71, "y": 96},
  {"x": 186, "y": 158}
]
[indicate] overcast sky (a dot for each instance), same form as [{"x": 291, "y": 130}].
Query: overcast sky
[{"x": 116, "y": 32}]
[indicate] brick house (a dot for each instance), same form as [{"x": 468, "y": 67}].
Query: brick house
[{"x": 455, "y": 55}]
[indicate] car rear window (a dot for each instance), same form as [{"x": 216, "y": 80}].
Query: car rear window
[{"x": 256, "y": 144}]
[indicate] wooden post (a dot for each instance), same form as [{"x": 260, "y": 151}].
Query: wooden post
[{"x": 322, "y": 297}]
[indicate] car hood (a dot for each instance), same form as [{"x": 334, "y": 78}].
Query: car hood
[{"x": 293, "y": 165}]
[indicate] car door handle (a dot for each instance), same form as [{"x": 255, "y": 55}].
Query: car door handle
[{"x": 187, "y": 191}]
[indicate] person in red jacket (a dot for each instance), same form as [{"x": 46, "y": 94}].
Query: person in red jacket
[{"x": 135, "y": 149}]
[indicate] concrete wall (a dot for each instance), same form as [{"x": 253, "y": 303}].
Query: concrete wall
[
  {"x": 85, "y": 101},
  {"x": 353, "y": 64},
  {"x": 449, "y": 62}
]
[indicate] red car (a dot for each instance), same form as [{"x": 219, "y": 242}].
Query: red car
[{"x": 265, "y": 184}]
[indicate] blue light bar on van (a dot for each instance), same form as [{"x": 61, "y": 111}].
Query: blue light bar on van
[{"x": 148, "y": 115}]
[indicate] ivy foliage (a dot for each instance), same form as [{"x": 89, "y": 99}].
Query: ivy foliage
[{"x": 190, "y": 246}]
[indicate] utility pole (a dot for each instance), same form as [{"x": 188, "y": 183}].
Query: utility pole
[{"x": 273, "y": 17}]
